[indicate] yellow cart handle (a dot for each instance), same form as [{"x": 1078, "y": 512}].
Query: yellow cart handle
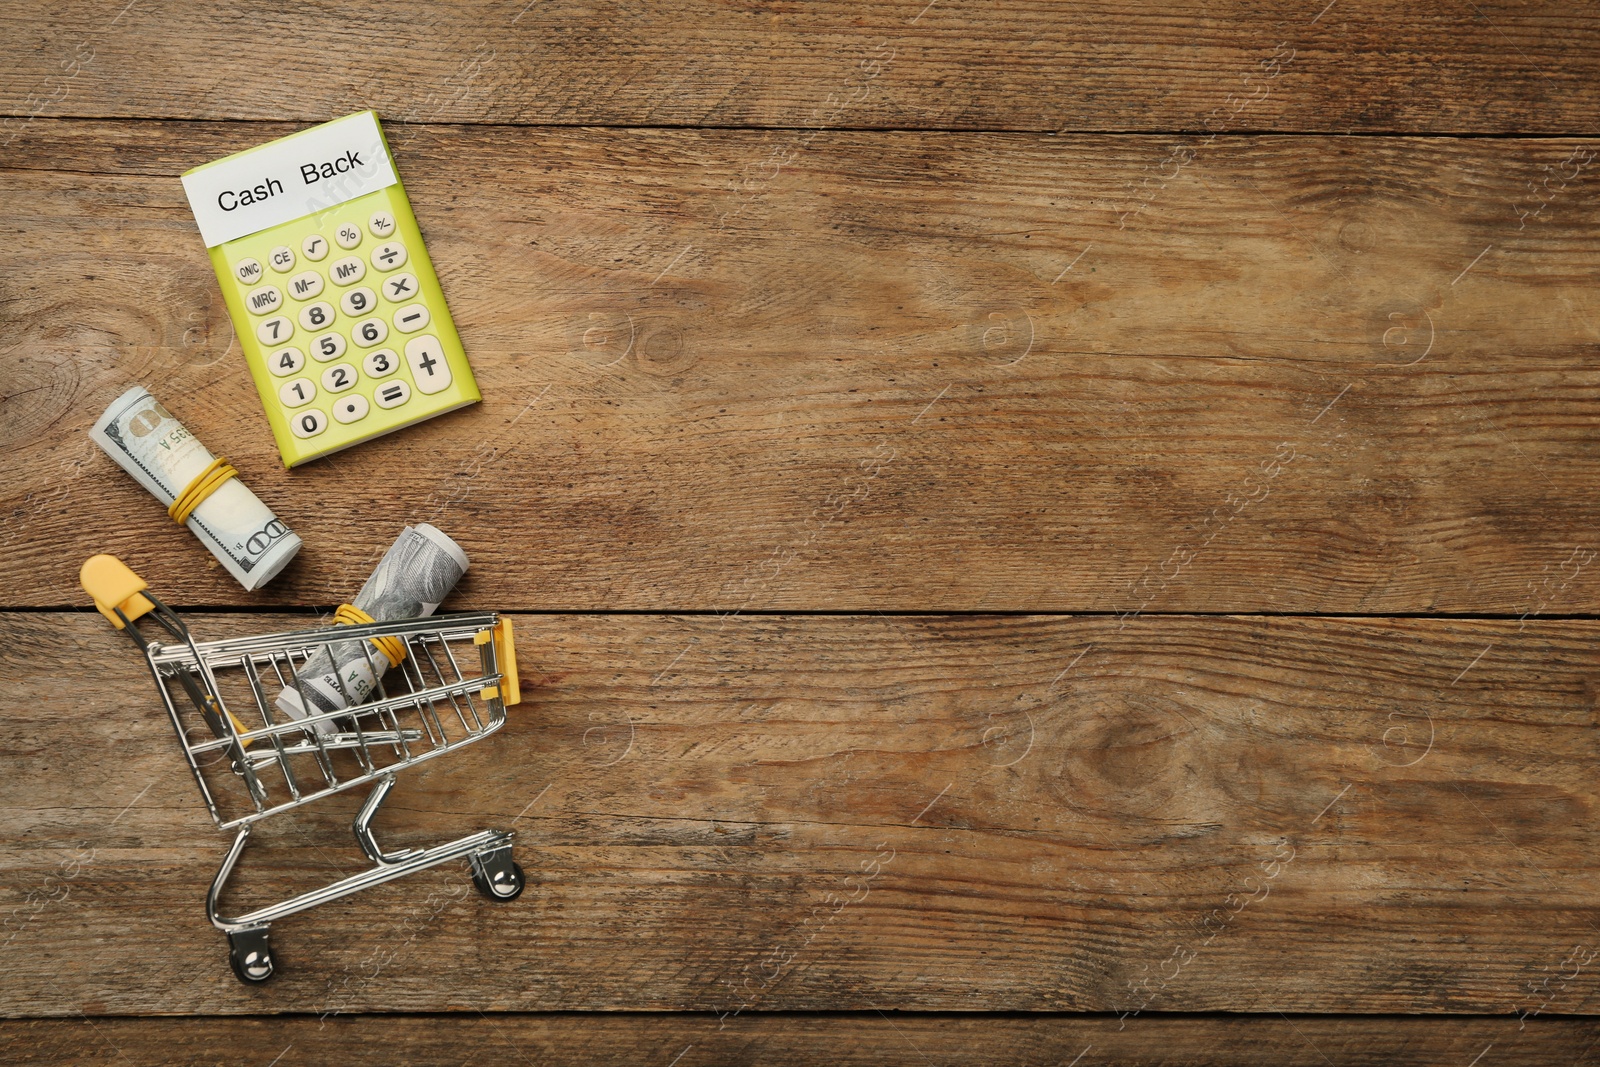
[
  {"x": 505, "y": 656},
  {"x": 113, "y": 585}
]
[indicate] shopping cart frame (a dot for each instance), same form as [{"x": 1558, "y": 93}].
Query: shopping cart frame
[{"x": 189, "y": 668}]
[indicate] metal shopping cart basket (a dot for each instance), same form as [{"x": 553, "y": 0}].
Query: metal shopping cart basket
[{"x": 431, "y": 685}]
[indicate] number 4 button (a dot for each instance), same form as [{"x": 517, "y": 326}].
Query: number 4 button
[{"x": 429, "y": 369}]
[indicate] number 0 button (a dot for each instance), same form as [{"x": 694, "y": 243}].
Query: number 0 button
[
  {"x": 308, "y": 423},
  {"x": 350, "y": 408}
]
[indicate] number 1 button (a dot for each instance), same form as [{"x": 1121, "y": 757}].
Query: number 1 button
[{"x": 429, "y": 369}]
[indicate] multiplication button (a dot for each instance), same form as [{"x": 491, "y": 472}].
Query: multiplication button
[
  {"x": 400, "y": 287},
  {"x": 308, "y": 423},
  {"x": 351, "y": 408},
  {"x": 429, "y": 369},
  {"x": 392, "y": 394}
]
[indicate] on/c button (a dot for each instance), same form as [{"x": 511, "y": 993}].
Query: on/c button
[{"x": 429, "y": 369}]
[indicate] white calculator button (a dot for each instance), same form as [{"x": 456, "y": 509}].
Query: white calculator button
[
  {"x": 263, "y": 299},
  {"x": 352, "y": 408},
  {"x": 339, "y": 377},
  {"x": 308, "y": 423},
  {"x": 276, "y": 330},
  {"x": 248, "y": 271},
  {"x": 297, "y": 393},
  {"x": 282, "y": 259},
  {"x": 328, "y": 346},
  {"x": 306, "y": 285},
  {"x": 286, "y": 361},
  {"x": 411, "y": 318},
  {"x": 369, "y": 332},
  {"x": 316, "y": 316},
  {"x": 380, "y": 364},
  {"x": 348, "y": 235},
  {"x": 348, "y": 271},
  {"x": 392, "y": 394},
  {"x": 429, "y": 369},
  {"x": 391, "y": 256},
  {"x": 381, "y": 224},
  {"x": 358, "y": 301},
  {"x": 315, "y": 247},
  {"x": 400, "y": 287}
]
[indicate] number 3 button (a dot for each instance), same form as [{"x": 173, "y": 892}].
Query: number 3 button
[{"x": 308, "y": 423}]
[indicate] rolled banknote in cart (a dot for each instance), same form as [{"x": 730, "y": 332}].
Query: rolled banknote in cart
[
  {"x": 411, "y": 580},
  {"x": 200, "y": 490}
]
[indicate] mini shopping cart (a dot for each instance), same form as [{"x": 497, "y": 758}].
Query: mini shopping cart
[{"x": 438, "y": 684}]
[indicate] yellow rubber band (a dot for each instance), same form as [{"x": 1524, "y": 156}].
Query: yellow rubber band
[
  {"x": 393, "y": 649},
  {"x": 194, "y": 494}
]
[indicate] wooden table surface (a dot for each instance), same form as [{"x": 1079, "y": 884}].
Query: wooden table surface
[{"x": 1039, "y": 533}]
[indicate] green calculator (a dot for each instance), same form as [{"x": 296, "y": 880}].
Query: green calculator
[{"x": 330, "y": 289}]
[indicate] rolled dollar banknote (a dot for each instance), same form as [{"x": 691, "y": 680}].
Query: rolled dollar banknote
[
  {"x": 410, "y": 581},
  {"x": 241, "y": 531}
]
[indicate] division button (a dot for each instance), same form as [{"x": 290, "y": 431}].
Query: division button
[
  {"x": 315, "y": 246},
  {"x": 352, "y": 408},
  {"x": 393, "y": 394},
  {"x": 308, "y": 423},
  {"x": 282, "y": 259},
  {"x": 381, "y": 224},
  {"x": 248, "y": 271},
  {"x": 391, "y": 256},
  {"x": 429, "y": 369}
]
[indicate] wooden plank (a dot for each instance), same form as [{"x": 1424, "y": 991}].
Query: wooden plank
[
  {"x": 778, "y": 1039},
  {"x": 1245, "y": 814},
  {"x": 1499, "y": 66},
  {"x": 1307, "y": 375}
]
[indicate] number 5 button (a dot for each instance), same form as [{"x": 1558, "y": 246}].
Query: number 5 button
[{"x": 429, "y": 369}]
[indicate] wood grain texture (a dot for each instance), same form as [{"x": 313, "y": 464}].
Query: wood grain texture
[
  {"x": 1304, "y": 375},
  {"x": 947, "y": 813},
  {"x": 781, "y": 1039},
  {"x": 1358, "y": 65}
]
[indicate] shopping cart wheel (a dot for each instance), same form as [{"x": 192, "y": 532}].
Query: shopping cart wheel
[
  {"x": 250, "y": 956},
  {"x": 497, "y": 875}
]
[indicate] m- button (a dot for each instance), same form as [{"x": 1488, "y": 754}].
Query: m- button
[{"x": 429, "y": 369}]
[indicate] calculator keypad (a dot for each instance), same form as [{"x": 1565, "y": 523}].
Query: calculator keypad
[{"x": 341, "y": 372}]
